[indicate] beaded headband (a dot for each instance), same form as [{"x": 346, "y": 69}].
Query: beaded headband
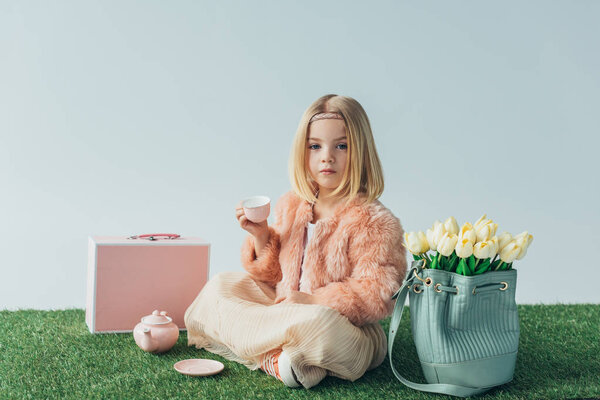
[{"x": 325, "y": 115}]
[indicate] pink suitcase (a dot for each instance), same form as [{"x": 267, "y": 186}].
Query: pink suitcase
[{"x": 129, "y": 277}]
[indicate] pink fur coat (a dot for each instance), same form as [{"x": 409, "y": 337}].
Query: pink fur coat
[{"x": 354, "y": 262}]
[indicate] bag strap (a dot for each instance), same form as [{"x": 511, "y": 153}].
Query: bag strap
[{"x": 444, "y": 388}]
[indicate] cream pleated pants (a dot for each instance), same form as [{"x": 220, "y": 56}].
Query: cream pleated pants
[{"x": 235, "y": 317}]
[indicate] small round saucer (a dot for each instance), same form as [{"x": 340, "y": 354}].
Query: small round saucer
[{"x": 198, "y": 367}]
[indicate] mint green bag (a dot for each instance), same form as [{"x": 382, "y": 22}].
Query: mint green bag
[{"x": 465, "y": 329}]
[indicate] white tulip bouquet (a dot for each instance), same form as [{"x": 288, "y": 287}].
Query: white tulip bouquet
[{"x": 468, "y": 251}]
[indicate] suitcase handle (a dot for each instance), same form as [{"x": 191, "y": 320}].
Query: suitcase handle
[{"x": 153, "y": 236}]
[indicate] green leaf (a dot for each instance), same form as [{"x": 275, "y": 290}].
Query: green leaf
[
  {"x": 444, "y": 263},
  {"x": 434, "y": 262},
  {"x": 416, "y": 257},
  {"x": 471, "y": 265},
  {"x": 462, "y": 266},
  {"x": 454, "y": 263},
  {"x": 483, "y": 266}
]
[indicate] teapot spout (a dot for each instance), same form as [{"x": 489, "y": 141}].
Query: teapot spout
[{"x": 147, "y": 343}]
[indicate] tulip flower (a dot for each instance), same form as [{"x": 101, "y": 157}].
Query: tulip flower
[
  {"x": 523, "y": 240},
  {"x": 467, "y": 232},
  {"x": 479, "y": 221},
  {"x": 483, "y": 250},
  {"x": 451, "y": 226},
  {"x": 510, "y": 252},
  {"x": 486, "y": 231},
  {"x": 503, "y": 240},
  {"x": 435, "y": 234},
  {"x": 416, "y": 242},
  {"x": 495, "y": 245},
  {"x": 464, "y": 248},
  {"x": 438, "y": 233},
  {"x": 431, "y": 238},
  {"x": 447, "y": 244},
  {"x": 485, "y": 228}
]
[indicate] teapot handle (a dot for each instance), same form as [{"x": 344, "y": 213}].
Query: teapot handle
[{"x": 153, "y": 236}]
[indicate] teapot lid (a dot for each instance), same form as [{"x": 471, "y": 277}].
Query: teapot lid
[{"x": 157, "y": 318}]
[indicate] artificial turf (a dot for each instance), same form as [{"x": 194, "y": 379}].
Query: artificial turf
[{"x": 51, "y": 354}]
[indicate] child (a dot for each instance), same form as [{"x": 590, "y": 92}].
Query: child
[{"x": 321, "y": 277}]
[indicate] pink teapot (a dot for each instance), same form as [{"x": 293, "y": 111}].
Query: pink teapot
[{"x": 156, "y": 333}]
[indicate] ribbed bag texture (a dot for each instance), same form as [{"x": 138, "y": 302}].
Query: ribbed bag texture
[{"x": 465, "y": 328}]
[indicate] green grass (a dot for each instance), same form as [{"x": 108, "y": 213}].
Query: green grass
[{"x": 51, "y": 354}]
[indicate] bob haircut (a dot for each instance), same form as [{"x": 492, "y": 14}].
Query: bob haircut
[{"x": 363, "y": 172}]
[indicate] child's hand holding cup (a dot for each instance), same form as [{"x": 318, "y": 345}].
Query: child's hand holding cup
[{"x": 252, "y": 214}]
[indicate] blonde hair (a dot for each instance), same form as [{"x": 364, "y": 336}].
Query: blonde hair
[{"x": 363, "y": 172}]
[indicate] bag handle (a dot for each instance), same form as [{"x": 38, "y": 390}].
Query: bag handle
[
  {"x": 153, "y": 236},
  {"x": 444, "y": 388}
]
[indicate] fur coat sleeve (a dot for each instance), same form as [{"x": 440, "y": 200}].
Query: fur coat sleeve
[{"x": 265, "y": 266}]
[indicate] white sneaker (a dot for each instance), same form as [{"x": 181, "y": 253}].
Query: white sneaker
[{"x": 285, "y": 371}]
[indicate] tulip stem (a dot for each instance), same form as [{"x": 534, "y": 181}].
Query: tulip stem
[
  {"x": 426, "y": 257},
  {"x": 499, "y": 265}
]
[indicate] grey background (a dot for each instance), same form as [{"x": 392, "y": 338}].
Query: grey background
[{"x": 124, "y": 117}]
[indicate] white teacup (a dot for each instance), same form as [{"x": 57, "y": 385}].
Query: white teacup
[{"x": 257, "y": 208}]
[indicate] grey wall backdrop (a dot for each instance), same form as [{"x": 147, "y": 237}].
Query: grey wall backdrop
[{"x": 123, "y": 117}]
